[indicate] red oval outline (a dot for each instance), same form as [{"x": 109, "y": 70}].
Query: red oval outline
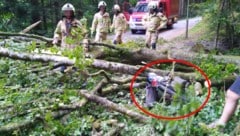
[{"x": 142, "y": 69}]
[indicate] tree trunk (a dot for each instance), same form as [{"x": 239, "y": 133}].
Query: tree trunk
[
  {"x": 101, "y": 64},
  {"x": 44, "y": 16},
  {"x": 219, "y": 23},
  {"x": 35, "y": 14}
]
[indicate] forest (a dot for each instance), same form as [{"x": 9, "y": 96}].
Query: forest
[{"x": 102, "y": 90}]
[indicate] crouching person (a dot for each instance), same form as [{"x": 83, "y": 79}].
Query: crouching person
[{"x": 157, "y": 85}]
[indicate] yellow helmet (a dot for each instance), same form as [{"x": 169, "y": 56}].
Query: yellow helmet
[
  {"x": 117, "y": 7},
  {"x": 152, "y": 5},
  {"x": 67, "y": 7},
  {"x": 102, "y": 3}
]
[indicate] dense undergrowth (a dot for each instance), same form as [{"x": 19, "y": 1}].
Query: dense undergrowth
[{"x": 29, "y": 90}]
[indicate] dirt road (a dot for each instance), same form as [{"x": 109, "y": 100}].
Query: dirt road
[{"x": 178, "y": 29}]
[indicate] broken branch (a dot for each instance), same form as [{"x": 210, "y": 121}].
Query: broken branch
[
  {"x": 29, "y": 28},
  {"x": 42, "y": 38},
  {"x": 110, "y": 105}
]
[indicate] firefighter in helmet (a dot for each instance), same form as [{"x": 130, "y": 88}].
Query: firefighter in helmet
[
  {"x": 68, "y": 27},
  {"x": 119, "y": 24},
  {"x": 153, "y": 22},
  {"x": 101, "y": 23}
]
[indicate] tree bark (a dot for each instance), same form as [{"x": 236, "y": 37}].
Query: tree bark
[
  {"x": 150, "y": 55},
  {"x": 137, "y": 56},
  {"x": 105, "y": 65},
  {"x": 44, "y": 15},
  {"x": 113, "y": 89},
  {"x": 219, "y": 23},
  {"x": 13, "y": 126},
  {"x": 29, "y": 28},
  {"x": 147, "y": 55},
  {"x": 131, "y": 70},
  {"x": 100, "y": 64},
  {"x": 110, "y": 105},
  {"x": 37, "y": 37},
  {"x": 83, "y": 101}
]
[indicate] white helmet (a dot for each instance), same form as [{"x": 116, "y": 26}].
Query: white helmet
[
  {"x": 152, "y": 5},
  {"x": 67, "y": 7},
  {"x": 117, "y": 7},
  {"x": 102, "y": 3}
]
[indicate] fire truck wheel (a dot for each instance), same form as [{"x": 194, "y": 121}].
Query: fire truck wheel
[{"x": 170, "y": 26}]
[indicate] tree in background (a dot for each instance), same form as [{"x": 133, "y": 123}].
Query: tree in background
[
  {"x": 18, "y": 14},
  {"x": 223, "y": 17}
]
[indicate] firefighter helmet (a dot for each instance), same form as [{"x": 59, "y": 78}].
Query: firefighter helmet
[
  {"x": 152, "y": 5},
  {"x": 68, "y": 7},
  {"x": 102, "y": 3},
  {"x": 117, "y": 7}
]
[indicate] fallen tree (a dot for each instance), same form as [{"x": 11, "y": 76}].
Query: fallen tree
[
  {"x": 66, "y": 109},
  {"x": 100, "y": 64},
  {"x": 139, "y": 54},
  {"x": 148, "y": 55}
]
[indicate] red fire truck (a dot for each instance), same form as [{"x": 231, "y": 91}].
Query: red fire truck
[{"x": 170, "y": 8}]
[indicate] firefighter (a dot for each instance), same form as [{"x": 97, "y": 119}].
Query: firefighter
[
  {"x": 153, "y": 22},
  {"x": 68, "y": 27},
  {"x": 119, "y": 24},
  {"x": 101, "y": 23}
]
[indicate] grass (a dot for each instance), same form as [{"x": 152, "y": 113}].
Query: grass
[
  {"x": 198, "y": 33},
  {"x": 201, "y": 31}
]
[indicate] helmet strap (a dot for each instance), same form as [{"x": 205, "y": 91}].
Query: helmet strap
[{"x": 117, "y": 12}]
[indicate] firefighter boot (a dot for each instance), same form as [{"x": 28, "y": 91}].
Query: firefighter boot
[
  {"x": 147, "y": 45},
  {"x": 154, "y": 45},
  {"x": 115, "y": 42}
]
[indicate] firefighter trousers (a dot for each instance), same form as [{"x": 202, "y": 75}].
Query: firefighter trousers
[
  {"x": 118, "y": 36},
  {"x": 101, "y": 36},
  {"x": 151, "y": 38}
]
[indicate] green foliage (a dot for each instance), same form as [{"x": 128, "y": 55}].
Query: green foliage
[
  {"x": 78, "y": 55},
  {"x": 226, "y": 16},
  {"x": 5, "y": 18},
  {"x": 25, "y": 95},
  {"x": 18, "y": 14},
  {"x": 137, "y": 44},
  {"x": 215, "y": 70},
  {"x": 27, "y": 92},
  {"x": 234, "y": 52},
  {"x": 73, "y": 126}
]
